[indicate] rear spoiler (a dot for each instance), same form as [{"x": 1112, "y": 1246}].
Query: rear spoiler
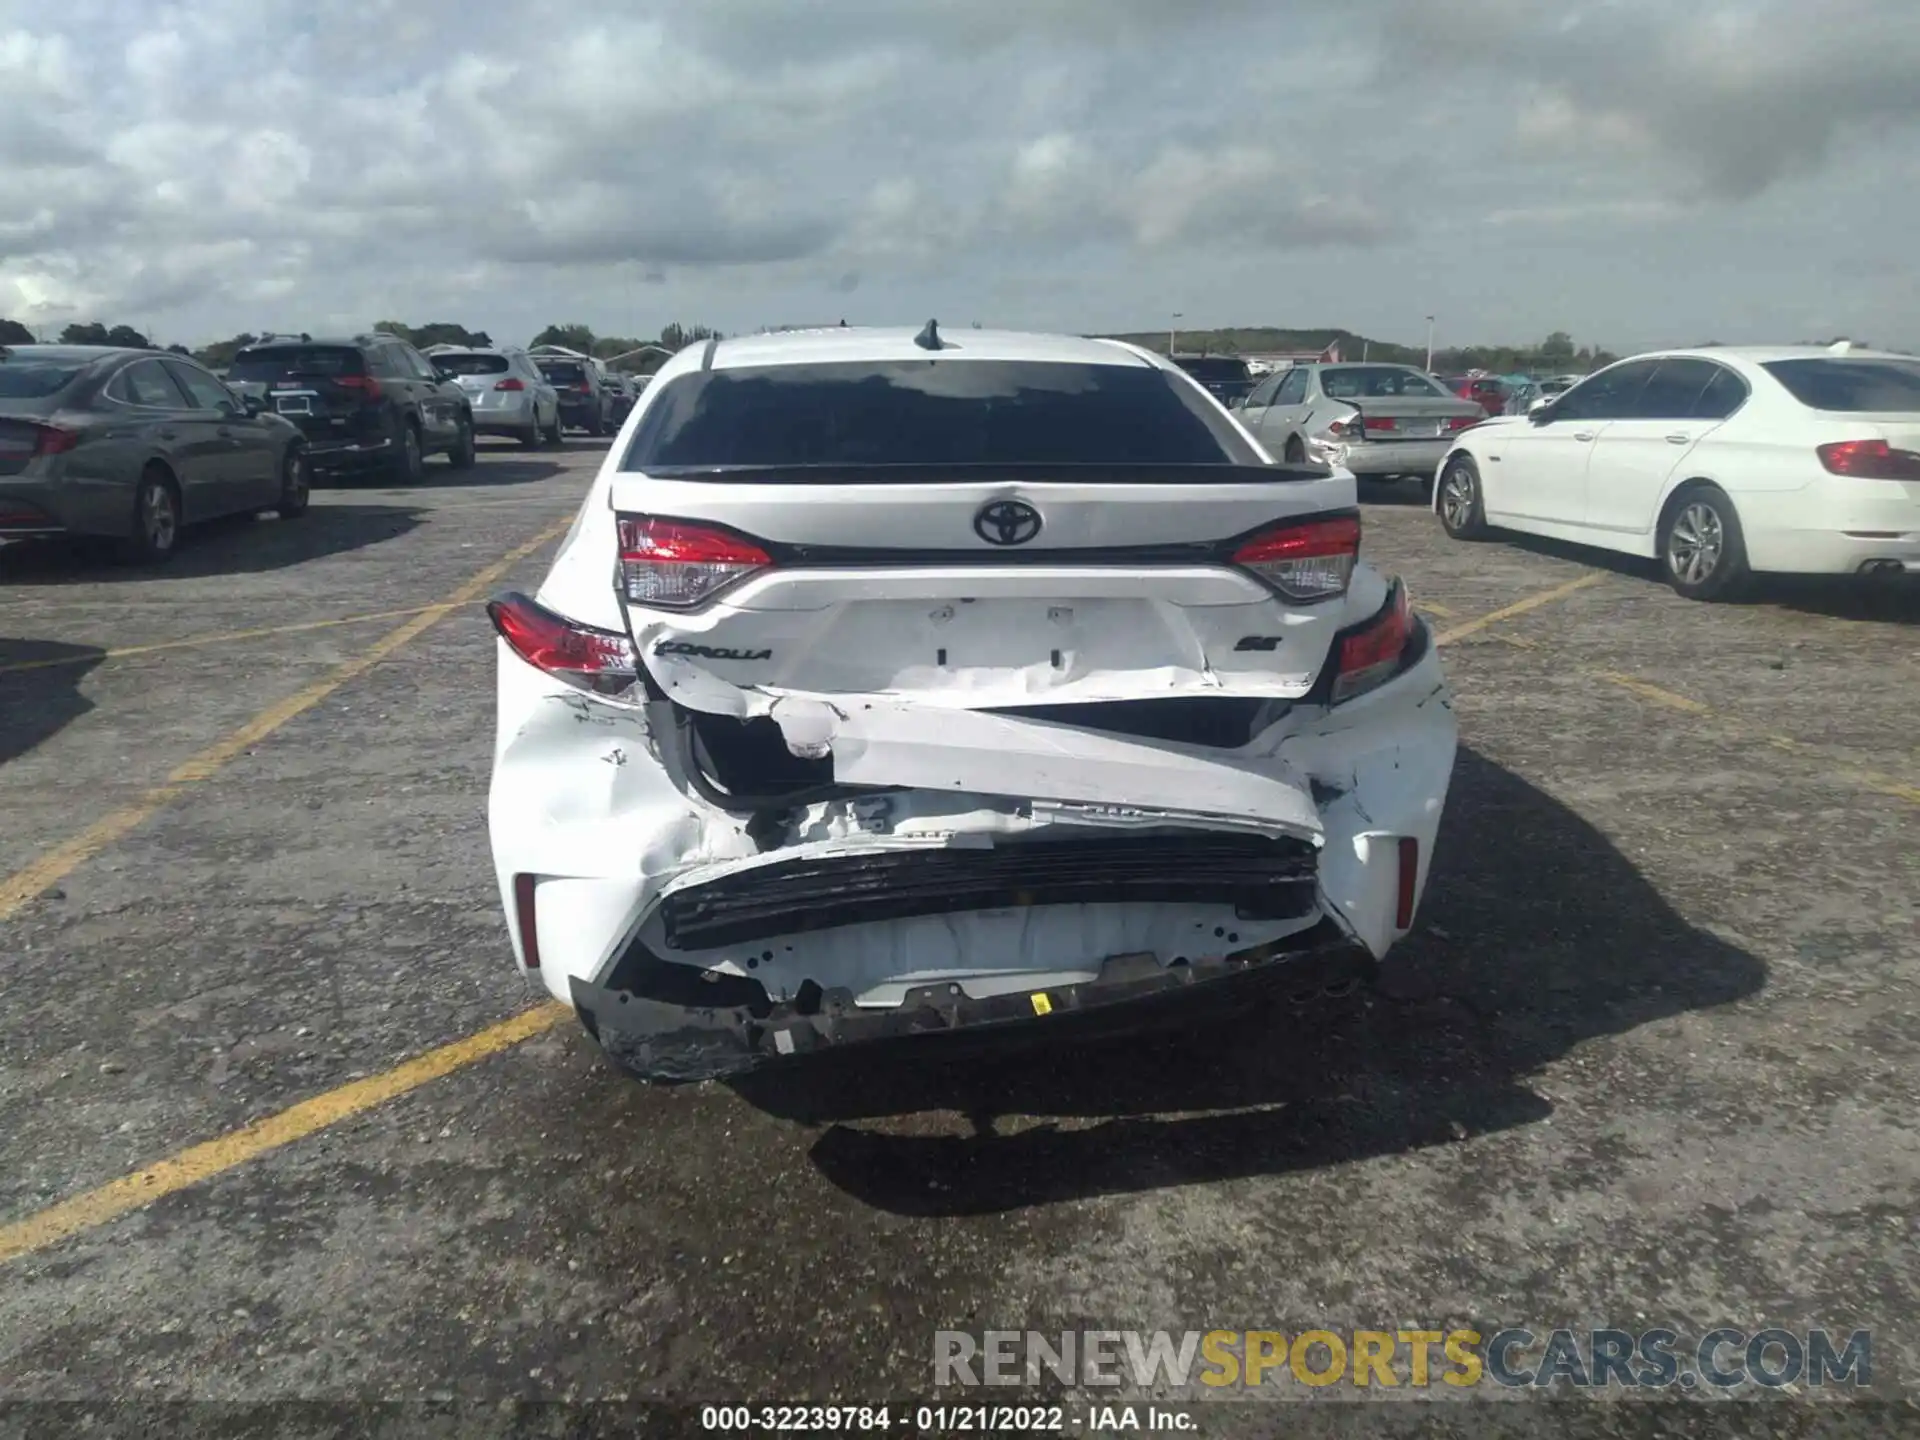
[{"x": 975, "y": 474}]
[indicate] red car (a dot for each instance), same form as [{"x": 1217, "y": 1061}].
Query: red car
[{"x": 1485, "y": 391}]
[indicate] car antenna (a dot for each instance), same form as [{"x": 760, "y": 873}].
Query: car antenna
[{"x": 929, "y": 338}]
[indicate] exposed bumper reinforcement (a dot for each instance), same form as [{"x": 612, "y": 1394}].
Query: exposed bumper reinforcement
[{"x": 669, "y": 1039}]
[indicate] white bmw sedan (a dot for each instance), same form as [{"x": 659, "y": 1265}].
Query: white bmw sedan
[
  {"x": 1719, "y": 463},
  {"x": 894, "y": 686}
]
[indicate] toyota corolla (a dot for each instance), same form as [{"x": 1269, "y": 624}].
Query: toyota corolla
[{"x": 894, "y": 685}]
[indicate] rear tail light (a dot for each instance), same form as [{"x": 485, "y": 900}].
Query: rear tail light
[
  {"x": 1347, "y": 427},
  {"x": 1870, "y": 460},
  {"x": 52, "y": 440},
  {"x": 675, "y": 565},
  {"x": 1380, "y": 422},
  {"x": 1457, "y": 423},
  {"x": 602, "y": 662},
  {"x": 526, "y": 923},
  {"x": 584, "y": 388},
  {"x": 365, "y": 386},
  {"x": 511, "y": 383},
  {"x": 1305, "y": 561},
  {"x": 1372, "y": 654}
]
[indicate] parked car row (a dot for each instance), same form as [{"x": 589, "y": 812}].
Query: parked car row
[{"x": 132, "y": 445}]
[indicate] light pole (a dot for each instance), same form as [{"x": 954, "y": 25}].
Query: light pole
[
  {"x": 1177, "y": 318},
  {"x": 1429, "y": 344}
]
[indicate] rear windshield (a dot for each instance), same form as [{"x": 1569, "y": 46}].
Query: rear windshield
[
  {"x": 470, "y": 364},
  {"x": 1862, "y": 387},
  {"x": 24, "y": 378},
  {"x": 274, "y": 361},
  {"x": 1373, "y": 381},
  {"x": 567, "y": 372},
  {"x": 932, "y": 412}
]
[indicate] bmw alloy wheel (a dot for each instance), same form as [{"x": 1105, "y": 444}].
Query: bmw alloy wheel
[
  {"x": 1695, "y": 542},
  {"x": 1456, "y": 497}
]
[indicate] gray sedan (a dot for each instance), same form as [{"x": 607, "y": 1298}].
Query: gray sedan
[
  {"x": 133, "y": 445},
  {"x": 1374, "y": 420}
]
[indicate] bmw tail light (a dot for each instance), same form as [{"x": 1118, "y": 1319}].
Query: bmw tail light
[
  {"x": 677, "y": 565},
  {"x": 1308, "y": 560},
  {"x": 512, "y": 382},
  {"x": 1869, "y": 460},
  {"x": 602, "y": 662}
]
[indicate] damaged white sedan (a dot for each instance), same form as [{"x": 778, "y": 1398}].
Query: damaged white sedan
[{"x": 894, "y": 685}]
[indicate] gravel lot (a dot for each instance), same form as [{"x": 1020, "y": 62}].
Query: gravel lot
[{"x": 1652, "y": 1059}]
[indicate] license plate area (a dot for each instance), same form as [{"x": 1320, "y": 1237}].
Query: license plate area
[{"x": 293, "y": 402}]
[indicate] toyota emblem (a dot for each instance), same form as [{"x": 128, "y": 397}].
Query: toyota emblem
[{"x": 1007, "y": 522}]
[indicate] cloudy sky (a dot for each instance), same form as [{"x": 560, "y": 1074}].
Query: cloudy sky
[{"x": 1632, "y": 171}]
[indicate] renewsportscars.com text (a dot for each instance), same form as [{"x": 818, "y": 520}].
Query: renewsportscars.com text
[{"x": 1517, "y": 1357}]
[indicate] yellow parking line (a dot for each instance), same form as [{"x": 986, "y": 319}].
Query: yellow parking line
[
  {"x": 200, "y": 1162},
  {"x": 17, "y": 889},
  {"x": 1518, "y": 607},
  {"x": 122, "y": 652},
  {"x": 1852, "y": 774},
  {"x": 1654, "y": 693}
]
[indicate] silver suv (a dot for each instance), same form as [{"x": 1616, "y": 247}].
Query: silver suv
[{"x": 508, "y": 393}]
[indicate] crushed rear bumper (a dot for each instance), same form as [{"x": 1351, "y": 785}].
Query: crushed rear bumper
[{"x": 644, "y": 1022}]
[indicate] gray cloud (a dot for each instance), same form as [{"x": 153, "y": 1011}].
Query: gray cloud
[
  {"x": 1617, "y": 167},
  {"x": 1722, "y": 100}
]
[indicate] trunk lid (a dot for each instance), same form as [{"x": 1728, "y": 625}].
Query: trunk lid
[
  {"x": 897, "y": 583},
  {"x": 1413, "y": 417}
]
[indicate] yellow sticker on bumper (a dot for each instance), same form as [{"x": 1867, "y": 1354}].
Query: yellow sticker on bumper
[{"x": 1041, "y": 1004}]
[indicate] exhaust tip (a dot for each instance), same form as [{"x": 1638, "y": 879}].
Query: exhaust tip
[{"x": 1881, "y": 567}]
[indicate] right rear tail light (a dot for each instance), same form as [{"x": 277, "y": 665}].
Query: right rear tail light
[
  {"x": 1869, "y": 460},
  {"x": 511, "y": 383},
  {"x": 1305, "y": 560},
  {"x": 365, "y": 386},
  {"x": 677, "y": 565}
]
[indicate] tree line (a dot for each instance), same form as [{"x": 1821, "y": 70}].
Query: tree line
[
  {"x": 219, "y": 354},
  {"x": 1557, "y": 354}
]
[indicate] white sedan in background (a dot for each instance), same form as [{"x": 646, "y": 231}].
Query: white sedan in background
[{"x": 1719, "y": 463}]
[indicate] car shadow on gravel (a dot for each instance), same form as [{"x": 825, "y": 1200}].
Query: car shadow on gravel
[
  {"x": 1536, "y": 935},
  {"x": 1839, "y": 597},
  {"x": 1401, "y": 494},
  {"x": 496, "y": 465},
  {"x": 36, "y": 704},
  {"x": 234, "y": 545}
]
